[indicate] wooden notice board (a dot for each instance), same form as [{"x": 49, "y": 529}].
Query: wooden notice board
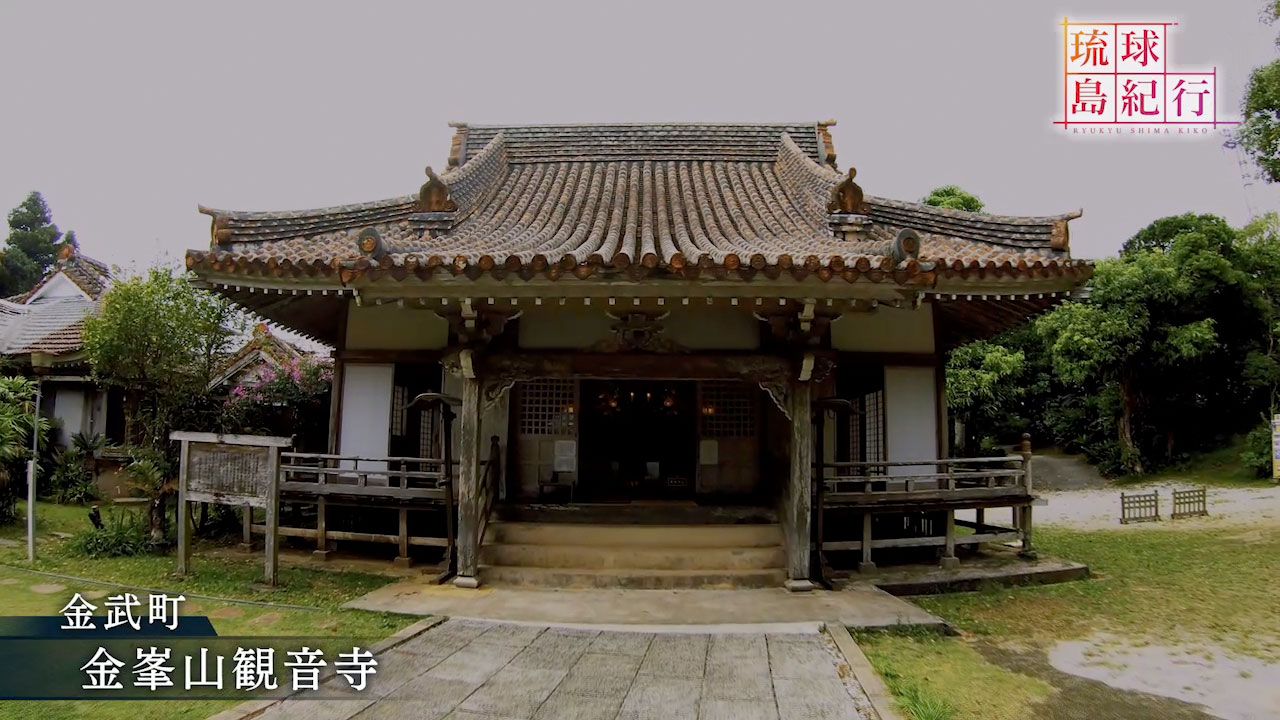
[{"x": 237, "y": 470}]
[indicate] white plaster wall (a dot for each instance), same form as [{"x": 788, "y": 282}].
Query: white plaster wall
[
  {"x": 387, "y": 327},
  {"x": 59, "y": 286},
  {"x": 885, "y": 329},
  {"x": 699, "y": 328},
  {"x": 911, "y": 417},
  {"x": 366, "y": 410},
  {"x": 69, "y": 408}
]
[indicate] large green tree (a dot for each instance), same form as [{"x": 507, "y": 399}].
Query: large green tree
[
  {"x": 954, "y": 197},
  {"x": 1174, "y": 351},
  {"x": 159, "y": 338},
  {"x": 1259, "y": 131},
  {"x": 1162, "y": 346},
  {"x": 31, "y": 247}
]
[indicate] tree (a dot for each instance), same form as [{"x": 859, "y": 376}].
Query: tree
[
  {"x": 981, "y": 385},
  {"x": 953, "y": 197},
  {"x": 1159, "y": 235},
  {"x": 1162, "y": 342},
  {"x": 1259, "y": 132},
  {"x": 159, "y": 338},
  {"x": 32, "y": 245},
  {"x": 17, "y": 411}
]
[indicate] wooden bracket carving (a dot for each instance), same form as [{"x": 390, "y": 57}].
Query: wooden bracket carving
[
  {"x": 434, "y": 195},
  {"x": 846, "y": 197},
  {"x": 804, "y": 328},
  {"x": 638, "y": 332}
]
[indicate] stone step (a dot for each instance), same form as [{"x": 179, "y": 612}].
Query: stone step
[
  {"x": 630, "y": 579},
  {"x": 634, "y": 536},
  {"x": 633, "y": 557}
]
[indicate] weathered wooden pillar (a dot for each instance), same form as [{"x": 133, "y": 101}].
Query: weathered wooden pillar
[
  {"x": 402, "y": 558},
  {"x": 184, "y": 522},
  {"x": 468, "y": 485},
  {"x": 1024, "y": 513},
  {"x": 246, "y": 539},
  {"x": 866, "y": 565},
  {"x": 797, "y": 496},
  {"x": 322, "y": 532},
  {"x": 949, "y": 559}
]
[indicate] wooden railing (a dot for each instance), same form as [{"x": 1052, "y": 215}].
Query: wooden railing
[
  {"x": 490, "y": 481},
  {"x": 404, "y": 484},
  {"x": 855, "y": 483},
  {"x": 926, "y": 490},
  {"x": 405, "y": 478}
]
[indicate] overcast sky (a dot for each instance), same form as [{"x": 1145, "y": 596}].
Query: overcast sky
[{"x": 127, "y": 115}]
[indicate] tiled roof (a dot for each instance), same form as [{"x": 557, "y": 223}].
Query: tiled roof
[
  {"x": 638, "y": 142},
  {"x": 678, "y": 199},
  {"x": 263, "y": 346},
  {"x": 91, "y": 276},
  {"x": 52, "y": 326}
]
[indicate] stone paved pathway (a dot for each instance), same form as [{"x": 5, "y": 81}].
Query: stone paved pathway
[{"x": 468, "y": 670}]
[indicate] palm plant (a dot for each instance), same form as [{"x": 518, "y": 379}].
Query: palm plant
[
  {"x": 147, "y": 475},
  {"x": 17, "y": 419}
]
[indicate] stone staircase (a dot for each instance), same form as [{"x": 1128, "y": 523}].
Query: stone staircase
[{"x": 633, "y": 556}]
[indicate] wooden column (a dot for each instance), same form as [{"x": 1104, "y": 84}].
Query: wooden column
[
  {"x": 335, "y": 406},
  {"x": 949, "y": 559},
  {"x": 1024, "y": 513},
  {"x": 468, "y": 485},
  {"x": 246, "y": 539},
  {"x": 866, "y": 565},
  {"x": 184, "y": 522},
  {"x": 322, "y": 534},
  {"x": 402, "y": 558},
  {"x": 797, "y": 496}
]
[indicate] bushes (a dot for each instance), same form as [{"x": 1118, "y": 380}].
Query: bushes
[
  {"x": 122, "y": 534},
  {"x": 70, "y": 482},
  {"x": 1257, "y": 453}
]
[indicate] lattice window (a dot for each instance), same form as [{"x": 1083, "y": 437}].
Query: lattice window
[
  {"x": 548, "y": 407},
  {"x": 427, "y": 433},
  {"x": 873, "y": 439},
  {"x": 399, "y": 413},
  {"x": 727, "y": 409},
  {"x": 866, "y": 434}
]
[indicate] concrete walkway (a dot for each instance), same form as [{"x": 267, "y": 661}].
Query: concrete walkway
[
  {"x": 473, "y": 670},
  {"x": 857, "y": 606}
]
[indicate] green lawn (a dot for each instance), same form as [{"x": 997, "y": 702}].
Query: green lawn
[
  {"x": 1168, "y": 586},
  {"x": 26, "y": 593}
]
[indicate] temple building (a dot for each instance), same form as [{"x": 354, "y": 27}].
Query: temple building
[
  {"x": 41, "y": 335},
  {"x": 643, "y": 326}
]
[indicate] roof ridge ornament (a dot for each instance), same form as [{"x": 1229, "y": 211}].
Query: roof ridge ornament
[
  {"x": 847, "y": 197},
  {"x": 434, "y": 195},
  {"x": 434, "y": 209}
]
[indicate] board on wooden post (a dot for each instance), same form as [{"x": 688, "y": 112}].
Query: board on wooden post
[{"x": 236, "y": 470}]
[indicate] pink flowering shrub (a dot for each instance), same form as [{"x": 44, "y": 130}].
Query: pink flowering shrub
[{"x": 288, "y": 400}]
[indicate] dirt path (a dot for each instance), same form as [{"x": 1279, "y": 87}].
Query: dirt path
[{"x": 1099, "y": 508}]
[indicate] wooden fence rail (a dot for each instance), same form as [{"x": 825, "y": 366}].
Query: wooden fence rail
[
  {"x": 1139, "y": 507},
  {"x": 1190, "y": 503}
]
